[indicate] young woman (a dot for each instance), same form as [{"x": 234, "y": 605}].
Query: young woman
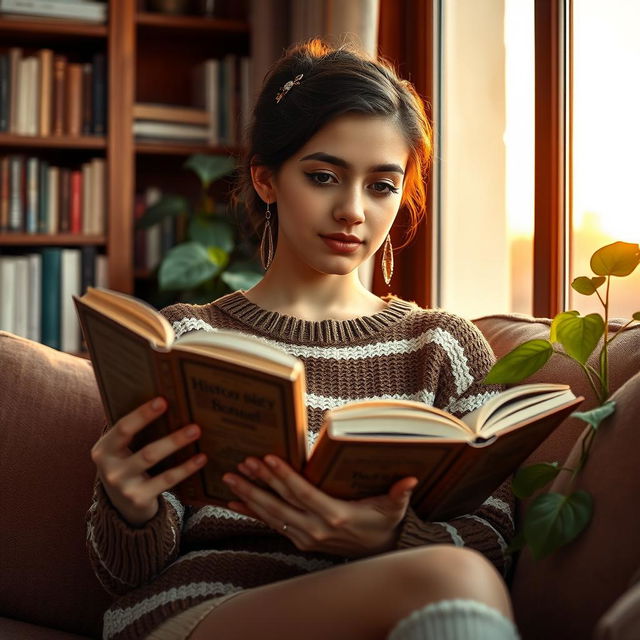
[{"x": 338, "y": 143}]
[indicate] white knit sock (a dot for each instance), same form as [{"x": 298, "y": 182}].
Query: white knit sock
[{"x": 455, "y": 620}]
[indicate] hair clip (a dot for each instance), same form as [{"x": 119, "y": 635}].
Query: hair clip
[{"x": 287, "y": 86}]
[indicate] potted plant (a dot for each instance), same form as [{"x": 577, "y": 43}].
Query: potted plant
[{"x": 213, "y": 259}]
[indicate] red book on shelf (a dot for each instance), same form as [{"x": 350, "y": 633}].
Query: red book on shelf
[{"x": 75, "y": 202}]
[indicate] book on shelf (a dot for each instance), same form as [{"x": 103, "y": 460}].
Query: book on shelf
[
  {"x": 45, "y": 92},
  {"x": 5, "y": 190},
  {"x": 173, "y": 131},
  {"x": 70, "y": 282},
  {"x": 248, "y": 397},
  {"x": 9, "y": 293},
  {"x": 73, "y": 99},
  {"x": 5, "y": 80},
  {"x": 206, "y": 84},
  {"x": 50, "y": 300},
  {"x": 83, "y": 10},
  {"x": 170, "y": 113}
]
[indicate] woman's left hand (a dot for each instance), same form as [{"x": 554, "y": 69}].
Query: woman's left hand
[{"x": 313, "y": 520}]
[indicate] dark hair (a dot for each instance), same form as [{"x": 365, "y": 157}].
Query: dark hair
[{"x": 336, "y": 81}]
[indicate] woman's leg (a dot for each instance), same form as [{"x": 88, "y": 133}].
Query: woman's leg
[{"x": 362, "y": 600}]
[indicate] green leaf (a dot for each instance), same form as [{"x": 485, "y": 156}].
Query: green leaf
[
  {"x": 580, "y": 335},
  {"x": 616, "y": 259},
  {"x": 219, "y": 257},
  {"x": 212, "y": 233},
  {"x": 587, "y": 286},
  {"x": 520, "y": 363},
  {"x": 241, "y": 280},
  {"x": 186, "y": 266},
  {"x": 553, "y": 332},
  {"x": 596, "y": 415},
  {"x": 167, "y": 206},
  {"x": 209, "y": 168},
  {"x": 636, "y": 316},
  {"x": 528, "y": 480},
  {"x": 553, "y": 520}
]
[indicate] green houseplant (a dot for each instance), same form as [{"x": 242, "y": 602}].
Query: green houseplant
[
  {"x": 553, "y": 519},
  {"x": 214, "y": 259}
]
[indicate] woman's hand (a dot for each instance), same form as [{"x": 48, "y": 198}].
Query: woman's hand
[
  {"x": 315, "y": 521},
  {"x": 123, "y": 474}
]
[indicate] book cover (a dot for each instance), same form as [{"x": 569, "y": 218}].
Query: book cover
[
  {"x": 99, "y": 94},
  {"x": 75, "y": 201},
  {"x": 59, "y": 92},
  {"x": 21, "y": 298},
  {"x": 45, "y": 91},
  {"x": 170, "y": 131},
  {"x": 170, "y": 113},
  {"x": 50, "y": 317},
  {"x": 31, "y": 204},
  {"x": 87, "y": 99},
  {"x": 5, "y": 181},
  {"x": 5, "y": 81},
  {"x": 43, "y": 196},
  {"x": 53, "y": 213},
  {"x": 85, "y": 10},
  {"x": 16, "y": 193},
  {"x": 15, "y": 56},
  {"x": 88, "y": 267},
  {"x": 9, "y": 293},
  {"x": 34, "y": 296},
  {"x": 64, "y": 200},
  {"x": 98, "y": 196},
  {"x": 73, "y": 99}
]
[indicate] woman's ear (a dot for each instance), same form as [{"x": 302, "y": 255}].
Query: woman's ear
[{"x": 262, "y": 178}]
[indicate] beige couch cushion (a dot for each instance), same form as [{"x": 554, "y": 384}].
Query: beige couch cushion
[
  {"x": 564, "y": 595},
  {"x": 50, "y": 416},
  {"x": 622, "y": 620}
]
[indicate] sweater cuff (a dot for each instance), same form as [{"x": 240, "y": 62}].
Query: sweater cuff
[
  {"x": 131, "y": 555},
  {"x": 415, "y": 532}
]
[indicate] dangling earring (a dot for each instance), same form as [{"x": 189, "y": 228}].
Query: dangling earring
[
  {"x": 266, "y": 245},
  {"x": 387, "y": 260}
]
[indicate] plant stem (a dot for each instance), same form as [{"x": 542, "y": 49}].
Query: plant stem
[
  {"x": 620, "y": 330},
  {"x": 604, "y": 372},
  {"x": 587, "y": 370}
]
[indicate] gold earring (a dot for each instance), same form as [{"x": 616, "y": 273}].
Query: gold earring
[
  {"x": 266, "y": 245},
  {"x": 387, "y": 260}
]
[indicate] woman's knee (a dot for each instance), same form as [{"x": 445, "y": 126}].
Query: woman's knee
[{"x": 444, "y": 572}]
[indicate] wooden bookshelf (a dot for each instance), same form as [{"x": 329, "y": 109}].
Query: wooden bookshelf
[
  {"x": 190, "y": 23},
  {"x": 8, "y": 140},
  {"x": 177, "y": 149},
  {"x": 41, "y": 239},
  {"x": 28, "y": 29}
]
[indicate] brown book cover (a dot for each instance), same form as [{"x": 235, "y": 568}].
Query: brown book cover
[
  {"x": 45, "y": 92},
  {"x": 245, "y": 394},
  {"x": 74, "y": 99},
  {"x": 59, "y": 93},
  {"x": 87, "y": 98},
  {"x": 15, "y": 57},
  {"x": 248, "y": 397},
  {"x": 75, "y": 201},
  {"x": 170, "y": 113},
  {"x": 4, "y": 194}
]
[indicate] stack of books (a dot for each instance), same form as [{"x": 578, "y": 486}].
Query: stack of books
[
  {"x": 36, "y": 197},
  {"x": 37, "y": 290},
  {"x": 84, "y": 10},
  {"x": 159, "y": 122},
  {"x": 46, "y": 94}
]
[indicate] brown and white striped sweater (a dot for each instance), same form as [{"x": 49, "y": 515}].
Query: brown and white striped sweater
[{"x": 185, "y": 555}]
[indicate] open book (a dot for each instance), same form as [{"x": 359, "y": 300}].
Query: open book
[{"x": 249, "y": 398}]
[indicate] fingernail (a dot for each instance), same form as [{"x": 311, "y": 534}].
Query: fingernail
[
  {"x": 157, "y": 404},
  {"x": 252, "y": 464},
  {"x": 230, "y": 480},
  {"x": 191, "y": 430},
  {"x": 272, "y": 462}
]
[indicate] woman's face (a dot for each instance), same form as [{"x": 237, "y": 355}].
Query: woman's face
[{"x": 339, "y": 194}]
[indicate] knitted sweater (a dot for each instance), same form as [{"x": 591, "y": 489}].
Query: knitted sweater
[{"x": 185, "y": 555}]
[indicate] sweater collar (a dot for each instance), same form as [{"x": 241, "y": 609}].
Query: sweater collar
[{"x": 291, "y": 329}]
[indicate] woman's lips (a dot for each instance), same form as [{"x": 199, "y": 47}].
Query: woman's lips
[{"x": 342, "y": 244}]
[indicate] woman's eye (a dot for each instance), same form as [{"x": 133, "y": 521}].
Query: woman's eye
[
  {"x": 385, "y": 188},
  {"x": 320, "y": 178}
]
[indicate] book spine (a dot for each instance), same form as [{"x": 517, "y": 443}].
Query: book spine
[
  {"x": 92, "y": 11},
  {"x": 64, "y": 188},
  {"x": 99, "y": 101},
  {"x": 53, "y": 180},
  {"x": 33, "y": 96},
  {"x": 45, "y": 58},
  {"x": 88, "y": 268},
  {"x": 34, "y": 293},
  {"x": 22, "y": 89},
  {"x": 75, "y": 201},
  {"x": 59, "y": 81},
  {"x": 5, "y": 181},
  {"x": 8, "y": 288},
  {"x": 21, "y": 299},
  {"x": 31, "y": 209},
  {"x": 87, "y": 99},
  {"x": 43, "y": 196},
  {"x": 99, "y": 195},
  {"x": 16, "y": 201},
  {"x": 5, "y": 80},
  {"x": 15, "y": 56},
  {"x": 74, "y": 99},
  {"x": 102, "y": 271},
  {"x": 69, "y": 287},
  {"x": 50, "y": 318},
  {"x": 88, "y": 210}
]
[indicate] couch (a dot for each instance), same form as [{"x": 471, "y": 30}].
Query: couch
[{"x": 50, "y": 415}]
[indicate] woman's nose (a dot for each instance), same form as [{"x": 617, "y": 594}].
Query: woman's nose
[{"x": 350, "y": 210}]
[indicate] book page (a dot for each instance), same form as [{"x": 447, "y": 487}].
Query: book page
[{"x": 241, "y": 413}]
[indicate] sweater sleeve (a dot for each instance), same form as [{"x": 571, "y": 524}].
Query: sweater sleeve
[
  {"x": 466, "y": 358},
  {"x": 124, "y": 557}
]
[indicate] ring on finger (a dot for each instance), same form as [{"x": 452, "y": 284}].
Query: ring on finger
[{"x": 285, "y": 526}]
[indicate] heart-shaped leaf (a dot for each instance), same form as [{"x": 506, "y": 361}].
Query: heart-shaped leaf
[
  {"x": 209, "y": 168},
  {"x": 212, "y": 233},
  {"x": 636, "y": 316},
  {"x": 219, "y": 257},
  {"x": 528, "y": 480},
  {"x": 168, "y": 206},
  {"x": 616, "y": 259},
  {"x": 186, "y": 266},
  {"x": 520, "y": 363},
  {"x": 553, "y": 332},
  {"x": 587, "y": 286},
  {"x": 553, "y": 520},
  {"x": 596, "y": 415},
  {"x": 580, "y": 335}
]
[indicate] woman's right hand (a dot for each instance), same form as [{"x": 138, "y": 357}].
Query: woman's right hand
[{"x": 124, "y": 474}]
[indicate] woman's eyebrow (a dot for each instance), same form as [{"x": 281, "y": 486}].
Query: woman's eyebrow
[{"x": 339, "y": 162}]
